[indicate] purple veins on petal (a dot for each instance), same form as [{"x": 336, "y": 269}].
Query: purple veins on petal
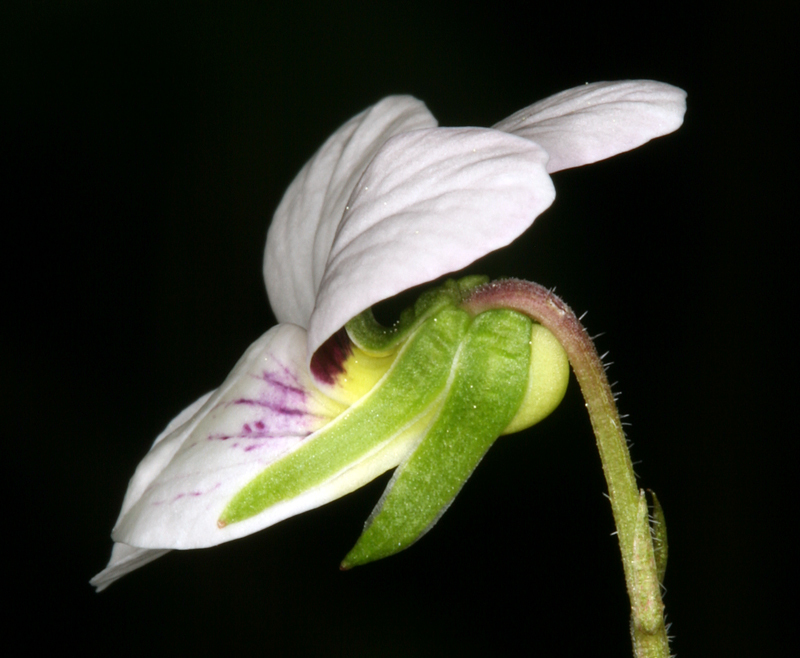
[
  {"x": 186, "y": 494},
  {"x": 273, "y": 379},
  {"x": 189, "y": 493},
  {"x": 250, "y": 448},
  {"x": 260, "y": 436},
  {"x": 274, "y": 405},
  {"x": 286, "y": 403},
  {"x": 269, "y": 404}
]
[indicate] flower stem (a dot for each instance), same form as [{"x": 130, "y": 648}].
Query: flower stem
[{"x": 628, "y": 503}]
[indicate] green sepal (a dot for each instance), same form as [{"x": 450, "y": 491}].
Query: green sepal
[
  {"x": 488, "y": 384},
  {"x": 372, "y": 337},
  {"x": 415, "y": 381}
]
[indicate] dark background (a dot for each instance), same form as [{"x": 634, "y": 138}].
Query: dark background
[{"x": 147, "y": 145}]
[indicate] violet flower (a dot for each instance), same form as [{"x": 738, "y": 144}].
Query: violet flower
[{"x": 310, "y": 412}]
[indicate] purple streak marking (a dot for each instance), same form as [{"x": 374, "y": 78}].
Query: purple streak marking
[
  {"x": 284, "y": 401},
  {"x": 191, "y": 494},
  {"x": 272, "y": 379},
  {"x": 272, "y": 406}
]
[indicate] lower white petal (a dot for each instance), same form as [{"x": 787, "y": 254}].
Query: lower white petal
[
  {"x": 125, "y": 559},
  {"x": 266, "y": 408}
]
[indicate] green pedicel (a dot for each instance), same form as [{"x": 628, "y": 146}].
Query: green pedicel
[{"x": 488, "y": 386}]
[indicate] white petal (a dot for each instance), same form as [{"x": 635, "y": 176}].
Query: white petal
[
  {"x": 596, "y": 121},
  {"x": 161, "y": 452},
  {"x": 304, "y": 224},
  {"x": 124, "y": 559},
  {"x": 431, "y": 202},
  {"x": 264, "y": 410}
]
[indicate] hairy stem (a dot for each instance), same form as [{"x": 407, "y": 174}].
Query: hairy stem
[{"x": 627, "y": 502}]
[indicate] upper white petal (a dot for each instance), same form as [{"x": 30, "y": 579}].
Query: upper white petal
[
  {"x": 430, "y": 202},
  {"x": 596, "y": 121},
  {"x": 306, "y": 220}
]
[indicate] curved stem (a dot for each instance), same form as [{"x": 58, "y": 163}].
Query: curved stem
[{"x": 628, "y": 504}]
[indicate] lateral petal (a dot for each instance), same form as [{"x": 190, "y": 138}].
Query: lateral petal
[
  {"x": 596, "y": 121},
  {"x": 307, "y": 218},
  {"x": 430, "y": 202}
]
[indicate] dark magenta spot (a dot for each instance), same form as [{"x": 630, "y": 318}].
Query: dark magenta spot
[
  {"x": 328, "y": 361},
  {"x": 259, "y": 425}
]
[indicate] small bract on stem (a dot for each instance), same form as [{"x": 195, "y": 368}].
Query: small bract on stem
[{"x": 643, "y": 571}]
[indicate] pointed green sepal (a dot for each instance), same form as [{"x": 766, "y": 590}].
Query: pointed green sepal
[
  {"x": 489, "y": 381},
  {"x": 372, "y": 337}
]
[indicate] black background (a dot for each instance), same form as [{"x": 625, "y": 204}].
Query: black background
[{"x": 147, "y": 145}]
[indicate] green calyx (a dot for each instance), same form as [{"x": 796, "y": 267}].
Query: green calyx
[
  {"x": 372, "y": 337},
  {"x": 489, "y": 377},
  {"x": 414, "y": 382},
  {"x": 453, "y": 383}
]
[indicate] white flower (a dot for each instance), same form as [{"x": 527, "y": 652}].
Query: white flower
[{"x": 390, "y": 201}]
